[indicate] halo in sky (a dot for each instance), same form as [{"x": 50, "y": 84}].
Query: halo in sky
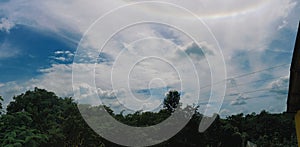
[{"x": 136, "y": 60}]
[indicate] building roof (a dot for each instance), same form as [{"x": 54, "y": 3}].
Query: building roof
[{"x": 293, "y": 102}]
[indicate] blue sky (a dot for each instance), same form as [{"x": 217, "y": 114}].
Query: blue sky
[
  {"x": 30, "y": 50},
  {"x": 39, "y": 40}
]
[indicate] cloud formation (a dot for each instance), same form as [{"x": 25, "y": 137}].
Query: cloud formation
[
  {"x": 63, "y": 56},
  {"x": 243, "y": 30},
  {"x": 280, "y": 85},
  {"x": 241, "y": 100},
  {"x": 6, "y": 25},
  {"x": 7, "y": 50}
]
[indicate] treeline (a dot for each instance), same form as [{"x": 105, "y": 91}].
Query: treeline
[{"x": 40, "y": 118}]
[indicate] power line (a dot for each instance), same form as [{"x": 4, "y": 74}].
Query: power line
[
  {"x": 261, "y": 80},
  {"x": 247, "y": 92},
  {"x": 243, "y": 75},
  {"x": 279, "y": 94},
  {"x": 252, "y": 91},
  {"x": 247, "y": 98}
]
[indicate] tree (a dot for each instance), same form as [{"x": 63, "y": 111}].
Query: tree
[
  {"x": 171, "y": 102},
  {"x": 16, "y": 130},
  {"x": 48, "y": 121},
  {"x": 40, "y": 118},
  {"x": 1, "y": 99}
]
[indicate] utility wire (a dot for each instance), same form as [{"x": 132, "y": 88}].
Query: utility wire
[
  {"x": 247, "y": 98},
  {"x": 252, "y": 91},
  {"x": 261, "y": 80},
  {"x": 243, "y": 75}
]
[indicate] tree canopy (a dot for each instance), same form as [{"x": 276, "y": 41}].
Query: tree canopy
[
  {"x": 40, "y": 118},
  {"x": 171, "y": 102}
]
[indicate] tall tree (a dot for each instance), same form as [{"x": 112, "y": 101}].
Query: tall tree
[{"x": 171, "y": 101}]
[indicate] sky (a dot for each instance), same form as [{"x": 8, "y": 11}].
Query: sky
[{"x": 228, "y": 57}]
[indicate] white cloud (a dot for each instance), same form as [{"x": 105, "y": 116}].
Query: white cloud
[
  {"x": 241, "y": 100},
  {"x": 251, "y": 30},
  {"x": 280, "y": 85},
  {"x": 68, "y": 53},
  {"x": 6, "y": 25},
  {"x": 225, "y": 112},
  {"x": 284, "y": 23},
  {"x": 237, "y": 25},
  {"x": 62, "y": 56},
  {"x": 10, "y": 89},
  {"x": 7, "y": 50},
  {"x": 57, "y": 78},
  {"x": 58, "y": 52},
  {"x": 107, "y": 94}
]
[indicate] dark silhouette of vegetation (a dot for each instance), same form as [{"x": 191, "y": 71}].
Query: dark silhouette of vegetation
[
  {"x": 1, "y": 99},
  {"x": 171, "y": 102},
  {"x": 40, "y": 118}
]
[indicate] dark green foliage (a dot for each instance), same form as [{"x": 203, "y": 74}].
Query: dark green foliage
[
  {"x": 1, "y": 99},
  {"x": 40, "y": 118},
  {"x": 171, "y": 102},
  {"x": 18, "y": 131}
]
